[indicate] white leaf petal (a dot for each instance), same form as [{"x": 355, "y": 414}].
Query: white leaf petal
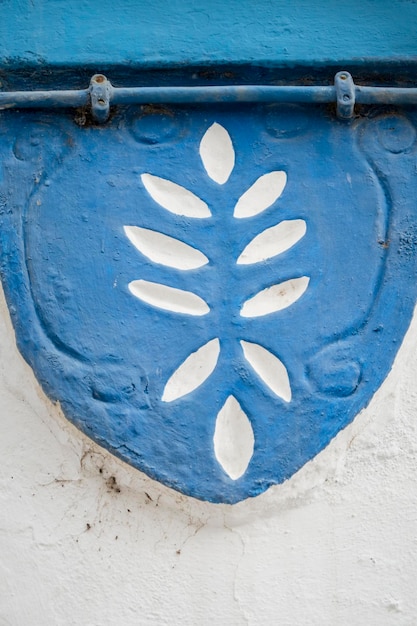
[
  {"x": 263, "y": 193},
  {"x": 275, "y": 298},
  {"x": 193, "y": 371},
  {"x": 165, "y": 250},
  {"x": 217, "y": 153},
  {"x": 233, "y": 439},
  {"x": 174, "y": 198},
  {"x": 273, "y": 241},
  {"x": 270, "y": 369},
  {"x": 168, "y": 298}
]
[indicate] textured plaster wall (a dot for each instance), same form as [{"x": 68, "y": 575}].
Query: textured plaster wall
[{"x": 87, "y": 541}]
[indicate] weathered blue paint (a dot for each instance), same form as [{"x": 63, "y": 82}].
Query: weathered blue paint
[
  {"x": 66, "y": 191},
  {"x": 157, "y": 34},
  {"x": 66, "y": 263}
]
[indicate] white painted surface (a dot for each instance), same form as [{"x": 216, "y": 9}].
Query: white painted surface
[
  {"x": 87, "y": 541},
  {"x": 273, "y": 241},
  {"x": 233, "y": 439},
  {"x": 270, "y": 369},
  {"x": 168, "y": 298},
  {"x": 165, "y": 250},
  {"x": 275, "y": 298},
  {"x": 192, "y": 373},
  {"x": 217, "y": 153},
  {"x": 174, "y": 198},
  {"x": 261, "y": 195}
]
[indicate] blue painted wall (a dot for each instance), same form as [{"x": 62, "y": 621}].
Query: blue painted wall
[
  {"x": 182, "y": 32},
  {"x": 343, "y": 352}
]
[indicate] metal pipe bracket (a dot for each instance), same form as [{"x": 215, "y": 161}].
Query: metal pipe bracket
[
  {"x": 345, "y": 95},
  {"x": 100, "y": 94}
]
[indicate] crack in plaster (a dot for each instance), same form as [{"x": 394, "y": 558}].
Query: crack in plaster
[{"x": 236, "y": 597}]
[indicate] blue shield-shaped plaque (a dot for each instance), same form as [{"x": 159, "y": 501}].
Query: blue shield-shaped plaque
[{"x": 212, "y": 294}]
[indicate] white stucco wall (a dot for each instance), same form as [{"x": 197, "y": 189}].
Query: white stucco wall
[{"x": 85, "y": 540}]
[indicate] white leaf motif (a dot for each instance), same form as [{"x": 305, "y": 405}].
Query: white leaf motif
[
  {"x": 233, "y": 439},
  {"x": 175, "y": 198},
  {"x": 165, "y": 250},
  {"x": 275, "y": 298},
  {"x": 273, "y": 241},
  {"x": 270, "y": 369},
  {"x": 192, "y": 373},
  {"x": 168, "y": 298},
  {"x": 261, "y": 195},
  {"x": 217, "y": 153}
]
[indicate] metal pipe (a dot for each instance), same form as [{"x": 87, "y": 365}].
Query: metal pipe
[
  {"x": 101, "y": 95},
  {"x": 224, "y": 93},
  {"x": 44, "y": 99},
  {"x": 386, "y": 95}
]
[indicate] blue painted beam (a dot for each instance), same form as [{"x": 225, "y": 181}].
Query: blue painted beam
[{"x": 195, "y": 32}]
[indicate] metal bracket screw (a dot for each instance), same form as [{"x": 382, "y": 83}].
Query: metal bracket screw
[
  {"x": 100, "y": 93},
  {"x": 345, "y": 95}
]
